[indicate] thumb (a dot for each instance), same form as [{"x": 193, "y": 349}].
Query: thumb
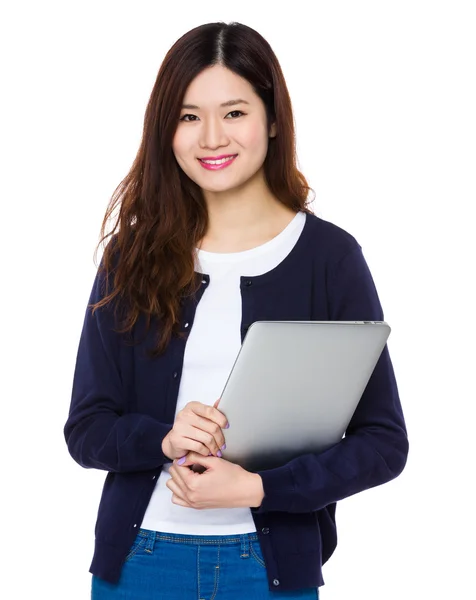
[{"x": 193, "y": 458}]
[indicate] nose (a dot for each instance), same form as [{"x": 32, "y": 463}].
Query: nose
[{"x": 212, "y": 134}]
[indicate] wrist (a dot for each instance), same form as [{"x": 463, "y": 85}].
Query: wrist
[
  {"x": 257, "y": 490},
  {"x": 166, "y": 447}
]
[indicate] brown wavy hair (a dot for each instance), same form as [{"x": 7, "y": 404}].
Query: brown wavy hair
[{"x": 162, "y": 213}]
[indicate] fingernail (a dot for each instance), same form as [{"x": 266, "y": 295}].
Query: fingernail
[
  {"x": 210, "y": 454},
  {"x": 181, "y": 460},
  {"x": 227, "y": 425},
  {"x": 223, "y": 447},
  {"x": 219, "y": 454}
]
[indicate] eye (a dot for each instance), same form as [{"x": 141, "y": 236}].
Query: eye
[
  {"x": 187, "y": 115},
  {"x": 236, "y": 111},
  {"x": 184, "y": 118}
]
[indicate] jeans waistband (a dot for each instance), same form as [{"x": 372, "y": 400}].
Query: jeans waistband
[{"x": 180, "y": 538}]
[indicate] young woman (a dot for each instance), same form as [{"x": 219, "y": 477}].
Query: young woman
[{"x": 214, "y": 233}]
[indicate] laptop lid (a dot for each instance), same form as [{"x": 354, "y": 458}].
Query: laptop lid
[{"x": 294, "y": 387}]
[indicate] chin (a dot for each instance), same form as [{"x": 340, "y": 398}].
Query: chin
[
  {"x": 217, "y": 188},
  {"x": 221, "y": 186}
]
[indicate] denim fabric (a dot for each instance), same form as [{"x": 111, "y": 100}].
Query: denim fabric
[{"x": 166, "y": 566}]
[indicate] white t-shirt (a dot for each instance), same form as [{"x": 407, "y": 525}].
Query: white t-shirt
[{"x": 211, "y": 350}]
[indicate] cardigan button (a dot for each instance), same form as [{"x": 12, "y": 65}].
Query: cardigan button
[
  {"x": 175, "y": 375},
  {"x": 248, "y": 282},
  {"x": 265, "y": 530},
  {"x": 276, "y": 582}
]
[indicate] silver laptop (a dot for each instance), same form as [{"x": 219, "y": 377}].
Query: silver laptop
[{"x": 294, "y": 387}]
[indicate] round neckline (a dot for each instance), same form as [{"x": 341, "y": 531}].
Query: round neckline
[
  {"x": 283, "y": 265},
  {"x": 218, "y": 257}
]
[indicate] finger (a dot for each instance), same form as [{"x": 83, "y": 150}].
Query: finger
[
  {"x": 184, "y": 440},
  {"x": 193, "y": 458},
  {"x": 180, "y": 502},
  {"x": 200, "y": 435},
  {"x": 227, "y": 425},
  {"x": 195, "y": 420},
  {"x": 209, "y": 412},
  {"x": 190, "y": 444},
  {"x": 213, "y": 440},
  {"x": 175, "y": 488},
  {"x": 180, "y": 476}
]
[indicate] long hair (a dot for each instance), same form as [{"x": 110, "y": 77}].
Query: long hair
[{"x": 162, "y": 213}]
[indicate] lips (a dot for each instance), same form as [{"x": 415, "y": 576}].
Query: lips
[
  {"x": 227, "y": 160},
  {"x": 217, "y": 157}
]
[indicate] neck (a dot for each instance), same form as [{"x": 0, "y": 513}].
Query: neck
[{"x": 243, "y": 217}]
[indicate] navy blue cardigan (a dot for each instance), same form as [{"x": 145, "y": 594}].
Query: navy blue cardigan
[{"x": 123, "y": 404}]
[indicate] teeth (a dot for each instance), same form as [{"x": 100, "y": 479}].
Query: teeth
[{"x": 217, "y": 162}]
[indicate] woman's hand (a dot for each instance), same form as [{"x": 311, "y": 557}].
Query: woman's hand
[
  {"x": 197, "y": 428},
  {"x": 222, "y": 485}
]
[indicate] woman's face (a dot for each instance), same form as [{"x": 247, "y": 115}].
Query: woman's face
[{"x": 221, "y": 117}]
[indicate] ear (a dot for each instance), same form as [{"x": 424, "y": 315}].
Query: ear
[{"x": 273, "y": 130}]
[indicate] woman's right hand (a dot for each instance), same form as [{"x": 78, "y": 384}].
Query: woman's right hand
[{"x": 197, "y": 428}]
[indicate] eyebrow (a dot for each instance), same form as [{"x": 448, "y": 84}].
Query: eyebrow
[{"x": 227, "y": 103}]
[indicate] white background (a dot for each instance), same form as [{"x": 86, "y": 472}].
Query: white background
[{"x": 384, "y": 96}]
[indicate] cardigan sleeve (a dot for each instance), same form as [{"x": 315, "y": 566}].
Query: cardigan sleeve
[
  {"x": 99, "y": 432},
  {"x": 375, "y": 447}
]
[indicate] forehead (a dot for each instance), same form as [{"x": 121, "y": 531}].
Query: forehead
[{"x": 216, "y": 85}]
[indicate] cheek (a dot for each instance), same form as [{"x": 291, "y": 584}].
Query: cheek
[
  {"x": 176, "y": 149},
  {"x": 256, "y": 138},
  {"x": 179, "y": 144}
]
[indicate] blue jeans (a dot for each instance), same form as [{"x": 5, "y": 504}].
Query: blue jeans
[{"x": 166, "y": 566}]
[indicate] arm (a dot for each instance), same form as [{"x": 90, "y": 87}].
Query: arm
[
  {"x": 98, "y": 433},
  {"x": 375, "y": 447}
]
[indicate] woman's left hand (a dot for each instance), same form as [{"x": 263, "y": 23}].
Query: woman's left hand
[{"x": 222, "y": 485}]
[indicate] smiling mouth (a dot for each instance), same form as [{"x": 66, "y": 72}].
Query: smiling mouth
[
  {"x": 219, "y": 161},
  {"x": 218, "y": 164}
]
